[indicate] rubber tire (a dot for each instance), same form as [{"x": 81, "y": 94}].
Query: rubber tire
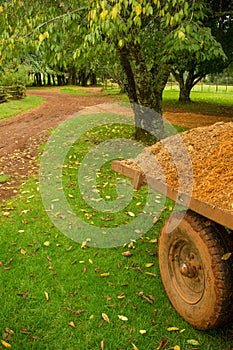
[{"x": 205, "y": 301}]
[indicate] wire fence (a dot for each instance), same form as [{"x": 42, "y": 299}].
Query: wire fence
[{"x": 203, "y": 87}]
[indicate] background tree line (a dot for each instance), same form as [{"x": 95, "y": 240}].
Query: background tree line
[{"x": 138, "y": 43}]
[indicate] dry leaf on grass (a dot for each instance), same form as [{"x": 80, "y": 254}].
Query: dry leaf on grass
[
  {"x": 46, "y": 296},
  {"x": 5, "y": 344},
  {"x": 149, "y": 264},
  {"x": 127, "y": 253},
  {"x": 105, "y": 274},
  {"x": 123, "y": 318},
  {"x": 171, "y": 329},
  {"x": 121, "y": 296},
  {"x": 71, "y": 324},
  {"x": 105, "y": 317},
  {"x": 163, "y": 344}
]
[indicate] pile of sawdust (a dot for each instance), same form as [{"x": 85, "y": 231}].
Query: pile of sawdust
[{"x": 198, "y": 162}]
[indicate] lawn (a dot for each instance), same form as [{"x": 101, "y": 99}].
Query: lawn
[
  {"x": 76, "y": 91},
  {"x": 58, "y": 293},
  {"x": 211, "y": 99},
  {"x": 11, "y": 108}
]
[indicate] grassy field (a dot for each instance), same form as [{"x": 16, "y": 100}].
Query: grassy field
[
  {"x": 76, "y": 91},
  {"x": 12, "y": 108},
  {"x": 210, "y": 98},
  {"x": 206, "y": 101},
  {"x": 201, "y": 87},
  {"x": 60, "y": 294}
]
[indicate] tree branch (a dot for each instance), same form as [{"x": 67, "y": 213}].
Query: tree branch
[{"x": 54, "y": 19}]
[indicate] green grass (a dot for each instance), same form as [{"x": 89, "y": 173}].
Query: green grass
[
  {"x": 76, "y": 91},
  {"x": 115, "y": 92},
  {"x": 53, "y": 291},
  {"x": 207, "y": 97},
  {"x": 4, "y": 178},
  {"x": 206, "y": 88},
  {"x": 202, "y": 101},
  {"x": 12, "y": 108}
]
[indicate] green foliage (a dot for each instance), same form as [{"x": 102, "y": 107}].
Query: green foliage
[
  {"x": 90, "y": 36},
  {"x": 13, "y": 74}
]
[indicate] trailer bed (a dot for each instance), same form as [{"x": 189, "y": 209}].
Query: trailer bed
[{"x": 221, "y": 216}]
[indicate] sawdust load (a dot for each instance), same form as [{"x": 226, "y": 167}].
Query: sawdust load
[{"x": 198, "y": 162}]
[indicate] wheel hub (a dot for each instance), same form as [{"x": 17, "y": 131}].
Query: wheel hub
[
  {"x": 189, "y": 270},
  {"x": 186, "y": 271}
]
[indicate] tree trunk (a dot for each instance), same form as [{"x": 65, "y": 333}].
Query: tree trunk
[
  {"x": 186, "y": 87},
  {"x": 184, "y": 96},
  {"x": 54, "y": 80},
  {"x": 145, "y": 93},
  {"x": 72, "y": 76},
  {"x": 93, "y": 78},
  {"x": 187, "y": 84},
  {"x": 49, "y": 80},
  {"x": 38, "y": 79}
]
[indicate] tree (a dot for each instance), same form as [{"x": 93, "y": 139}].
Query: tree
[
  {"x": 191, "y": 65},
  {"x": 140, "y": 32},
  {"x": 143, "y": 33}
]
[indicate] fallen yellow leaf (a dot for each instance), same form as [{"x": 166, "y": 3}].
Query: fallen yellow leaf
[
  {"x": 150, "y": 273},
  {"x": 5, "y": 344},
  {"x": 149, "y": 264},
  {"x": 170, "y": 329},
  {"x": 134, "y": 346},
  {"x": 226, "y": 256},
  {"x": 71, "y": 324},
  {"x": 46, "y": 243},
  {"x": 121, "y": 296},
  {"x": 102, "y": 345},
  {"x": 123, "y": 318},
  {"x": 176, "y": 347},
  {"x": 22, "y": 251},
  {"x": 105, "y": 317},
  {"x": 10, "y": 331},
  {"x": 142, "y": 331},
  {"x": 46, "y": 296},
  {"x": 131, "y": 245},
  {"x": 105, "y": 274}
]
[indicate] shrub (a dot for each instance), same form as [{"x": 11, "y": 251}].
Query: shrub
[{"x": 13, "y": 74}]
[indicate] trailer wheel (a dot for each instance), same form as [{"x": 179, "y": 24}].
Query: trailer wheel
[{"x": 197, "y": 273}]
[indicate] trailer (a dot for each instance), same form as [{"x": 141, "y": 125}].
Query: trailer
[{"x": 196, "y": 257}]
